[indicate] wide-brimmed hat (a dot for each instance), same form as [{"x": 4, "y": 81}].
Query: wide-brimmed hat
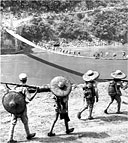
[
  {"x": 14, "y": 102},
  {"x": 60, "y": 86},
  {"x": 90, "y": 75},
  {"x": 118, "y": 74}
]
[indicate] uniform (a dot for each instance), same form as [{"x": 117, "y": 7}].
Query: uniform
[
  {"x": 117, "y": 76},
  {"x": 117, "y": 96},
  {"x": 23, "y": 116},
  {"x": 90, "y": 96},
  {"x": 90, "y": 92},
  {"x": 61, "y": 89},
  {"x": 61, "y": 109}
]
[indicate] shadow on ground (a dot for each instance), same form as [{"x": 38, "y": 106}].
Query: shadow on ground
[
  {"x": 72, "y": 137},
  {"x": 111, "y": 117}
]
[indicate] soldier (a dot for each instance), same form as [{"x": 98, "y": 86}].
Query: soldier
[
  {"x": 23, "y": 116},
  {"x": 90, "y": 92},
  {"x": 114, "y": 55},
  {"x": 61, "y": 89},
  {"x": 114, "y": 89}
]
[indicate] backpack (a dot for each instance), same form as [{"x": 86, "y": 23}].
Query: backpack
[
  {"x": 89, "y": 91},
  {"x": 112, "y": 88}
]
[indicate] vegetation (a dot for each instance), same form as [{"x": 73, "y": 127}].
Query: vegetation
[
  {"x": 111, "y": 25},
  {"x": 72, "y": 20}
]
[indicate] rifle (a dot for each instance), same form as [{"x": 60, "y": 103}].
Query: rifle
[
  {"x": 32, "y": 88},
  {"x": 106, "y": 80}
]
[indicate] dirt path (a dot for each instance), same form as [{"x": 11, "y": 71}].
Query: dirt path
[{"x": 111, "y": 128}]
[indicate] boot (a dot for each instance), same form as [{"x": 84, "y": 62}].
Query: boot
[
  {"x": 69, "y": 131},
  {"x": 30, "y": 136},
  {"x": 12, "y": 141},
  {"x": 50, "y": 134},
  {"x": 90, "y": 118},
  {"x": 105, "y": 111},
  {"x": 79, "y": 115}
]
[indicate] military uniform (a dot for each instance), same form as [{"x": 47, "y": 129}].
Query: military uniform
[
  {"x": 23, "y": 116},
  {"x": 90, "y": 92},
  {"x": 117, "y": 75},
  {"x": 61, "y": 107},
  {"x": 61, "y": 88}
]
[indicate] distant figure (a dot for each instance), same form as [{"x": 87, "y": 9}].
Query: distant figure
[
  {"x": 124, "y": 55},
  {"x": 101, "y": 54},
  {"x": 122, "y": 41},
  {"x": 90, "y": 92},
  {"x": 106, "y": 54},
  {"x": 114, "y": 89},
  {"x": 114, "y": 55},
  {"x": 78, "y": 53},
  {"x": 96, "y": 55},
  {"x": 60, "y": 49},
  {"x": 70, "y": 52},
  {"x": 66, "y": 52}
]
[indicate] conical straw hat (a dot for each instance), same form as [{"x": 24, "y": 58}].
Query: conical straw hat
[
  {"x": 60, "y": 86},
  {"x": 90, "y": 75},
  {"x": 118, "y": 74}
]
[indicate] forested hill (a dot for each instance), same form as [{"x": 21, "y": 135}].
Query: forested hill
[{"x": 54, "y": 20}]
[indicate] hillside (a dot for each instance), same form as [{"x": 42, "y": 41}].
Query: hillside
[{"x": 68, "y": 21}]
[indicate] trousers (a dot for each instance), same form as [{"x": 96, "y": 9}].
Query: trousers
[{"x": 24, "y": 119}]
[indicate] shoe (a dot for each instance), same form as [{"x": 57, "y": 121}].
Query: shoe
[
  {"x": 12, "y": 141},
  {"x": 50, "y": 134},
  {"x": 118, "y": 112},
  {"x": 105, "y": 111},
  {"x": 90, "y": 118},
  {"x": 29, "y": 137},
  {"x": 79, "y": 115},
  {"x": 69, "y": 131}
]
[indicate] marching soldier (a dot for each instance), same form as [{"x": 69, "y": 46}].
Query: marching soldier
[
  {"x": 90, "y": 92},
  {"x": 114, "y": 89},
  {"x": 23, "y": 116},
  {"x": 61, "y": 89}
]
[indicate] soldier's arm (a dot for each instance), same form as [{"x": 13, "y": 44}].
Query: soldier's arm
[
  {"x": 96, "y": 92},
  {"x": 28, "y": 95},
  {"x": 7, "y": 87},
  {"x": 97, "y": 97}
]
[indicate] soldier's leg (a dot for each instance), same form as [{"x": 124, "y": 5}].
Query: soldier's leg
[
  {"x": 24, "y": 119},
  {"x": 11, "y": 132},
  {"x": 118, "y": 99},
  {"x": 82, "y": 109},
  {"x": 112, "y": 99},
  {"x": 90, "y": 112},
  {"x": 68, "y": 131},
  {"x": 51, "y": 129}
]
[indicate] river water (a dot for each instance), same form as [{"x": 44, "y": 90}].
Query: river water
[{"x": 42, "y": 67}]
